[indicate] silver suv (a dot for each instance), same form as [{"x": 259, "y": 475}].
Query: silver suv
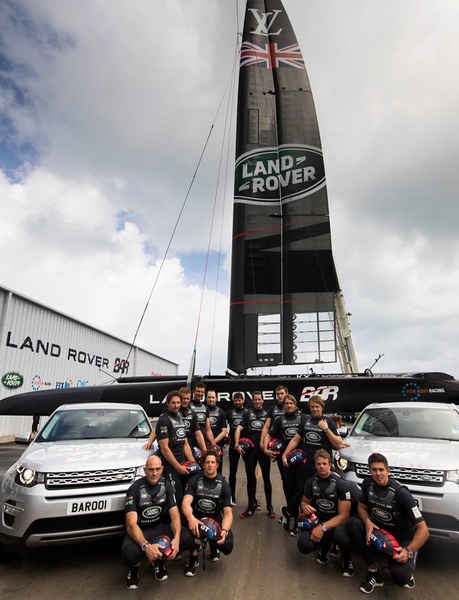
[
  {"x": 70, "y": 483},
  {"x": 421, "y": 443}
]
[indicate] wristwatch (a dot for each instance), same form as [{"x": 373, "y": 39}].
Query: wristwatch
[
  {"x": 325, "y": 428},
  {"x": 409, "y": 552},
  {"x": 144, "y": 546},
  {"x": 324, "y": 527}
]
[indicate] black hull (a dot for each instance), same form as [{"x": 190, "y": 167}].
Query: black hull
[{"x": 342, "y": 394}]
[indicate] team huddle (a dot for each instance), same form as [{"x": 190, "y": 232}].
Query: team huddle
[{"x": 184, "y": 504}]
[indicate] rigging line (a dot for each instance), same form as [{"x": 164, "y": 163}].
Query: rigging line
[
  {"x": 230, "y": 109},
  {"x": 170, "y": 241}
]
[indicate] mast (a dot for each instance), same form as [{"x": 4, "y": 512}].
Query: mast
[{"x": 284, "y": 281}]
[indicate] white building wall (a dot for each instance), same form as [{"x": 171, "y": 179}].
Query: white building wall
[{"x": 41, "y": 348}]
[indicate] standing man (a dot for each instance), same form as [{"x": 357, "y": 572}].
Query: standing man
[
  {"x": 251, "y": 427},
  {"x": 234, "y": 418},
  {"x": 208, "y": 494},
  {"x": 275, "y": 411},
  {"x": 193, "y": 431},
  {"x": 151, "y": 510},
  {"x": 201, "y": 411},
  {"x": 385, "y": 504},
  {"x": 316, "y": 431},
  {"x": 173, "y": 444},
  {"x": 329, "y": 497},
  {"x": 217, "y": 422}
]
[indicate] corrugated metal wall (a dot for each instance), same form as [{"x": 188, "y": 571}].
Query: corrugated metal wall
[{"x": 42, "y": 348}]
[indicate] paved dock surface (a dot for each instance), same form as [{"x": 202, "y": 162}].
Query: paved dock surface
[{"x": 265, "y": 565}]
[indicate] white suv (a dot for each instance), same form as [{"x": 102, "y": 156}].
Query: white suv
[
  {"x": 70, "y": 483},
  {"x": 421, "y": 443}
]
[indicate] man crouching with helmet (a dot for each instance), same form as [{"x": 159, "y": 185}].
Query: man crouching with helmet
[{"x": 207, "y": 507}]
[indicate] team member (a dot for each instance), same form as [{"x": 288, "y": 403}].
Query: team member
[
  {"x": 329, "y": 497},
  {"x": 251, "y": 427},
  {"x": 151, "y": 510},
  {"x": 173, "y": 444},
  {"x": 275, "y": 411},
  {"x": 385, "y": 504},
  {"x": 217, "y": 422},
  {"x": 201, "y": 411},
  {"x": 208, "y": 494},
  {"x": 284, "y": 427},
  {"x": 315, "y": 432},
  {"x": 234, "y": 418},
  {"x": 193, "y": 431}
]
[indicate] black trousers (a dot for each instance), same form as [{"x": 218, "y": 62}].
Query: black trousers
[{"x": 251, "y": 459}]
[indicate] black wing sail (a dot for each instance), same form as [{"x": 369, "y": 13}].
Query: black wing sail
[{"x": 283, "y": 274}]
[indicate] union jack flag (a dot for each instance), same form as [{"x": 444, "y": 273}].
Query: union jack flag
[{"x": 271, "y": 56}]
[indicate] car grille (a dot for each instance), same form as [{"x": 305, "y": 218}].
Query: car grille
[
  {"x": 78, "y": 479},
  {"x": 427, "y": 477},
  {"x": 77, "y": 523}
]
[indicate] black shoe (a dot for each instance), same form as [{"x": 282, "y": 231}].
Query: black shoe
[
  {"x": 347, "y": 568},
  {"x": 372, "y": 580},
  {"x": 214, "y": 555},
  {"x": 334, "y": 552},
  {"x": 159, "y": 567},
  {"x": 247, "y": 513},
  {"x": 410, "y": 584},
  {"x": 294, "y": 532},
  {"x": 271, "y": 513},
  {"x": 190, "y": 569},
  {"x": 285, "y": 519},
  {"x": 133, "y": 578},
  {"x": 257, "y": 505},
  {"x": 233, "y": 501},
  {"x": 322, "y": 558}
]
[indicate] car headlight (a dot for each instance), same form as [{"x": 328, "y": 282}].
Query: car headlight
[
  {"x": 452, "y": 476},
  {"x": 28, "y": 477},
  {"x": 139, "y": 472}
]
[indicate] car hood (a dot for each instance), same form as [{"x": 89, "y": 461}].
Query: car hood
[
  {"x": 404, "y": 452},
  {"x": 84, "y": 455}
]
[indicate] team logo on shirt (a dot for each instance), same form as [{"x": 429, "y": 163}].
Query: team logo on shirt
[
  {"x": 201, "y": 417},
  {"x": 207, "y": 505},
  {"x": 213, "y": 420},
  {"x": 313, "y": 437},
  {"x": 257, "y": 424},
  {"x": 382, "y": 515},
  {"x": 151, "y": 512},
  {"x": 181, "y": 432},
  {"x": 290, "y": 432},
  {"x": 325, "y": 504}
]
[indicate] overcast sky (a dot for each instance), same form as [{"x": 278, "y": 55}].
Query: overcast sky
[{"x": 105, "y": 107}]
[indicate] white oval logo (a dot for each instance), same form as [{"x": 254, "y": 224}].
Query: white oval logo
[
  {"x": 382, "y": 515},
  {"x": 181, "y": 432},
  {"x": 313, "y": 437},
  {"x": 257, "y": 424},
  {"x": 290, "y": 432},
  {"x": 151, "y": 512},
  {"x": 201, "y": 417},
  {"x": 325, "y": 504},
  {"x": 207, "y": 505},
  {"x": 213, "y": 420}
]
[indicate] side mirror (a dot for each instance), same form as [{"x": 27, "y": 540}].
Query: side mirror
[{"x": 24, "y": 438}]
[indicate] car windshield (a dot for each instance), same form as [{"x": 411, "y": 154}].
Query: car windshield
[
  {"x": 90, "y": 423},
  {"x": 413, "y": 422}
]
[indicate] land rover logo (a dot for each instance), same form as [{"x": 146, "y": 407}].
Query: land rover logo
[
  {"x": 181, "y": 432},
  {"x": 207, "y": 505},
  {"x": 213, "y": 420},
  {"x": 325, "y": 504},
  {"x": 257, "y": 424},
  {"x": 201, "y": 417},
  {"x": 313, "y": 437},
  {"x": 382, "y": 515},
  {"x": 290, "y": 172},
  {"x": 151, "y": 512},
  {"x": 12, "y": 380},
  {"x": 290, "y": 432}
]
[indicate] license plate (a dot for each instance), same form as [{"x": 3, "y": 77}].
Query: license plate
[{"x": 88, "y": 505}]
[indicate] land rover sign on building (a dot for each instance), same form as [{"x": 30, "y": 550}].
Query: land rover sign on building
[{"x": 43, "y": 349}]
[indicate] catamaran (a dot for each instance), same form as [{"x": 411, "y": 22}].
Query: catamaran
[{"x": 286, "y": 303}]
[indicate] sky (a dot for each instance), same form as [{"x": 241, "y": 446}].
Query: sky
[{"x": 105, "y": 109}]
